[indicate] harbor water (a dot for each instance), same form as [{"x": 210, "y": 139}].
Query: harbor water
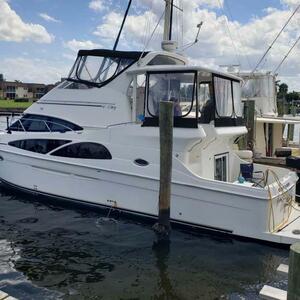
[{"x": 52, "y": 251}]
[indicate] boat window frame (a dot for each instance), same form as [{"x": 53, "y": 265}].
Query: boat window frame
[
  {"x": 108, "y": 153},
  {"x": 65, "y": 142},
  {"x": 221, "y": 156},
  {"x": 212, "y": 96},
  {"x": 46, "y": 119},
  {"x": 226, "y": 121},
  {"x": 194, "y": 98}
]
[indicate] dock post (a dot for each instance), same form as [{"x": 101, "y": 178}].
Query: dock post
[
  {"x": 294, "y": 273},
  {"x": 247, "y": 142},
  {"x": 290, "y": 135},
  {"x": 166, "y": 120},
  {"x": 251, "y": 124}
]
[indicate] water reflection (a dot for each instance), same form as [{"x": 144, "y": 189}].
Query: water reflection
[
  {"x": 80, "y": 254},
  {"x": 161, "y": 249}
]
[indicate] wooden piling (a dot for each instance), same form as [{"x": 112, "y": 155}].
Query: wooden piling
[
  {"x": 294, "y": 273},
  {"x": 247, "y": 142},
  {"x": 291, "y": 128},
  {"x": 166, "y": 120}
]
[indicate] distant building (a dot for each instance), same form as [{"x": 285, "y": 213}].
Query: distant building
[{"x": 17, "y": 90}]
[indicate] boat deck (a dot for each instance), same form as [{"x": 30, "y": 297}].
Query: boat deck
[{"x": 291, "y": 232}]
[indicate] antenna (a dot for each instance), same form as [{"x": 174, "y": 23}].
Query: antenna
[
  {"x": 167, "y": 43},
  {"x": 188, "y": 45},
  {"x": 122, "y": 25},
  {"x": 168, "y": 20}
]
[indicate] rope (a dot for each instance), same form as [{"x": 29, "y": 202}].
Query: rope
[
  {"x": 152, "y": 34},
  {"x": 238, "y": 33},
  {"x": 230, "y": 35},
  {"x": 285, "y": 197},
  {"x": 286, "y": 56}
]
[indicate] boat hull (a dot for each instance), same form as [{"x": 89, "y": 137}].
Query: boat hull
[{"x": 200, "y": 206}]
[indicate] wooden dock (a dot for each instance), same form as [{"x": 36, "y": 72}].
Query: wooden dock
[{"x": 4, "y": 296}]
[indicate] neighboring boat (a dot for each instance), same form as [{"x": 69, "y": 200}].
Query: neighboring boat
[
  {"x": 95, "y": 139},
  {"x": 269, "y": 133}
]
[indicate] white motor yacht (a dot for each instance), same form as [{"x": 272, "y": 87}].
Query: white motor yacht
[{"x": 95, "y": 139}]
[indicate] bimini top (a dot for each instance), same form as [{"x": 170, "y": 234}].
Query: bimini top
[
  {"x": 97, "y": 67},
  {"x": 113, "y": 53}
]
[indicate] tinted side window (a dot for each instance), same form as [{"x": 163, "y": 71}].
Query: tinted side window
[
  {"x": 84, "y": 150},
  {"x": 38, "y": 145},
  {"x": 39, "y": 123}
]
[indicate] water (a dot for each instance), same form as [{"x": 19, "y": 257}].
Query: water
[{"x": 48, "y": 251}]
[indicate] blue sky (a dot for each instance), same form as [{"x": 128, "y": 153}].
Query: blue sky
[
  {"x": 244, "y": 10},
  {"x": 44, "y": 41}
]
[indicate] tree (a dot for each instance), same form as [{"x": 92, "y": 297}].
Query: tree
[
  {"x": 292, "y": 96},
  {"x": 282, "y": 91}
]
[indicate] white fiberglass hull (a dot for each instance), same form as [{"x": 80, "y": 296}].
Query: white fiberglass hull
[{"x": 217, "y": 209}]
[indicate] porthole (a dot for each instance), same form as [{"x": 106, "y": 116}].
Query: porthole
[{"x": 141, "y": 162}]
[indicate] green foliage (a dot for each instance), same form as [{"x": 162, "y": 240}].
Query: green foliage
[
  {"x": 283, "y": 88},
  {"x": 5, "y": 104},
  {"x": 284, "y": 94},
  {"x": 292, "y": 96}
]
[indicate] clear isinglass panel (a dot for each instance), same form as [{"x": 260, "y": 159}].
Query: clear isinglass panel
[
  {"x": 223, "y": 95},
  {"x": 176, "y": 87}
]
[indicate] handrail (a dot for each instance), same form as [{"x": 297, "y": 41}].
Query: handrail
[{"x": 19, "y": 121}]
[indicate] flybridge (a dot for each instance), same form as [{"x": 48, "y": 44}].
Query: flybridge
[{"x": 98, "y": 67}]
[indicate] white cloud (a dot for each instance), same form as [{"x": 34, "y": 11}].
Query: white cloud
[
  {"x": 75, "y": 45},
  {"x": 215, "y": 46},
  {"x": 13, "y": 28},
  {"x": 136, "y": 30},
  {"x": 34, "y": 70},
  {"x": 96, "y": 5},
  {"x": 291, "y": 3},
  {"x": 69, "y": 56},
  {"x": 48, "y": 18}
]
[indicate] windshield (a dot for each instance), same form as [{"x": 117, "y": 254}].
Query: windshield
[{"x": 177, "y": 87}]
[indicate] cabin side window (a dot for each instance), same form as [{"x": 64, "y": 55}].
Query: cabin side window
[
  {"x": 237, "y": 99},
  {"x": 140, "y": 96},
  {"x": 221, "y": 167},
  {"x": 228, "y": 104},
  {"x": 84, "y": 150},
  {"x": 42, "y": 146},
  {"x": 223, "y": 94},
  {"x": 39, "y": 123},
  {"x": 165, "y": 60},
  {"x": 206, "y": 103}
]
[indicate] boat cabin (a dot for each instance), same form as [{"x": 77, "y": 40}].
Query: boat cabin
[
  {"x": 199, "y": 95},
  {"x": 118, "y": 87}
]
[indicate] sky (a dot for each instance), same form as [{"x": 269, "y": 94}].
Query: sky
[{"x": 39, "y": 39}]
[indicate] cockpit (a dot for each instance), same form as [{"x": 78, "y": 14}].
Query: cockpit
[{"x": 198, "y": 96}]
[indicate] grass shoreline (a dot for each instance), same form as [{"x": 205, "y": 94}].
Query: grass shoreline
[{"x": 11, "y": 104}]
